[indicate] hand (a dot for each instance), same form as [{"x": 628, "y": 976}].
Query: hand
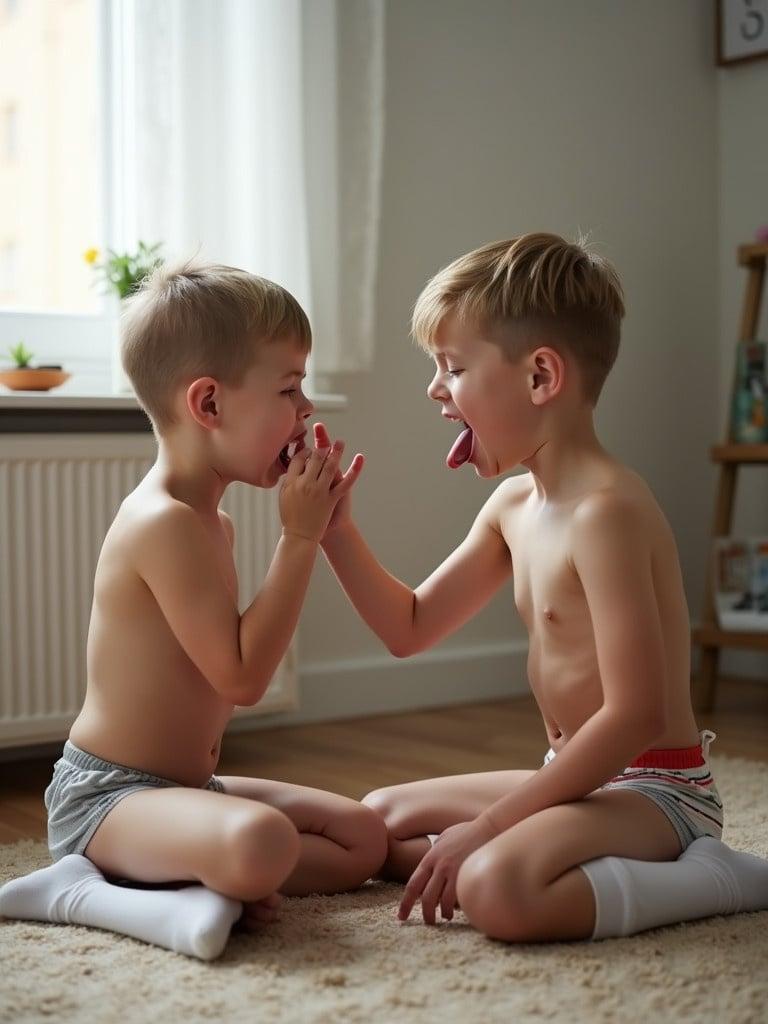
[
  {"x": 434, "y": 880},
  {"x": 312, "y": 487},
  {"x": 342, "y": 513}
]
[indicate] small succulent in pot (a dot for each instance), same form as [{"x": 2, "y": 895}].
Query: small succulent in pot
[
  {"x": 25, "y": 377},
  {"x": 21, "y": 356}
]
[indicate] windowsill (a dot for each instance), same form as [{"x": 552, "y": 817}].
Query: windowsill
[
  {"x": 31, "y": 400},
  {"x": 93, "y": 412}
]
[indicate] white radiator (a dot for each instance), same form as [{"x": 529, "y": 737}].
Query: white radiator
[{"x": 58, "y": 496}]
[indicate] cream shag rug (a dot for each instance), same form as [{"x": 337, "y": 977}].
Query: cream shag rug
[{"x": 347, "y": 959}]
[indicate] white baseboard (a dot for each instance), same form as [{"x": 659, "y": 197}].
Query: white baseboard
[{"x": 381, "y": 684}]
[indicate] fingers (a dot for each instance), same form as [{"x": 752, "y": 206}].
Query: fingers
[
  {"x": 435, "y": 886},
  {"x": 331, "y": 471},
  {"x": 322, "y": 438},
  {"x": 298, "y": 463},
  {"x": 324, "y": 460},
  {"x": 448, "y": 899},
  {"x": 431, "y": 896},
  {"x": 346, "y": 482},
  {"x": 323, "y": 443},
  {"x": 414, "y": 888},
  {"x": 333, "y": 452},
  {"x": 315, "y": 462}
]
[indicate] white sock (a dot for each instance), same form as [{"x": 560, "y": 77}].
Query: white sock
[
  {"x": 708, "y": 878},
  {"x": 193, "y": 920}
]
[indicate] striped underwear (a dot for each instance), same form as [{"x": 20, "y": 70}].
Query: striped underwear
[{"x": 680, "y": 783}]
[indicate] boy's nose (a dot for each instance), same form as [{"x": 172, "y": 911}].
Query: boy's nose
[
  {"x": 307, "y": 409},
  {"x": 435, "y": 389}
]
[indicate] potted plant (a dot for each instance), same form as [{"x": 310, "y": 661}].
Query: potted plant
[
  {"x": 25, "y": 377},
  {"x": 122, "y": 273}
]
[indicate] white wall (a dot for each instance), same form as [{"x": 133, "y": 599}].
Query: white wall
[
  {"x": 742, "y": 92},
  {"x": 505, "y": 117}
]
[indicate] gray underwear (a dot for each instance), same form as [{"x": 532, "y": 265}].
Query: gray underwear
[{"x": 83, "y": 791}]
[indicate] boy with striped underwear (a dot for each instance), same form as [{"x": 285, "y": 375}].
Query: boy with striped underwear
[{"x": 619, "y": 829}]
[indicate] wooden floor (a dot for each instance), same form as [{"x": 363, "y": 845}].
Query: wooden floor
[{"x": 354, "y": 756}]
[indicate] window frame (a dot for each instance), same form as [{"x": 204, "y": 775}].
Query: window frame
[{"x": 57, "y": 336}]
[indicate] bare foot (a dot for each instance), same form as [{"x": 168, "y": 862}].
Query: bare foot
[{"x": 261, "y": 912}]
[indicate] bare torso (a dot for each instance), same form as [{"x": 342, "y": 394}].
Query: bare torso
[
  {"x": 562, "y": 657},
  {"x": 147, "y": 705}
]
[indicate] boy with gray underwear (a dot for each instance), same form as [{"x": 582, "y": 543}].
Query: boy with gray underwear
[{"x": 217, "y": 358}]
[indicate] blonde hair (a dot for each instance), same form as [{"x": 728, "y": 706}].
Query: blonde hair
[
  {"x": 200, "y": 319},
  {"x": 537, "y": 281}
]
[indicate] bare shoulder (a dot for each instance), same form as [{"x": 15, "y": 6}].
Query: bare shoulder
[
  {"x": 151, "y": 524},
  {"x": 624, "y": 509},
  {"x": 511, "y": 493},
  {"x": 501, "y": 509}
]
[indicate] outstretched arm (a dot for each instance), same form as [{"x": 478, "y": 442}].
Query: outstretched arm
[{"x": 406, "y": 620}]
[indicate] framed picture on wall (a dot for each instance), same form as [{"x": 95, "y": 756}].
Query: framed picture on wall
[{"x": 742, "y": 30}]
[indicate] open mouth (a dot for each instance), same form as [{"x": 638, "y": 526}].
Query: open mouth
[
  {"x": 288, "y": 452},
  {"x": 461, "y": 451}
]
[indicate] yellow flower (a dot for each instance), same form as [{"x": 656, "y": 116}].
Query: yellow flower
[{"x": 91, "y": 255}]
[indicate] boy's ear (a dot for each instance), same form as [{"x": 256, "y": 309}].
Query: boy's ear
[
  {"x": 546, "y": 375},
  {"x": 203, "y": 397}
]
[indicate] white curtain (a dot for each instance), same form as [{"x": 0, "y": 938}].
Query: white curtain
[{"x": 251, "y": 131}]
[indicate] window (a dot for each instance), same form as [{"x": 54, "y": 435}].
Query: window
[
  {"x": 10, "y": 133},
  {"x": 9, "y": 270},
  {"x": 50, "y": 156},
  {"x": 208, "y": 127}
]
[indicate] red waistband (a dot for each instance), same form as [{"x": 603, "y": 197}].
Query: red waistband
[{"x": 680, "y": 757}]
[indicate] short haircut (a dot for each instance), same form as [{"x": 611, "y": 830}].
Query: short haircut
[
  {"x": 541, "y": 284},
  {"x": 200, "y": 319}
]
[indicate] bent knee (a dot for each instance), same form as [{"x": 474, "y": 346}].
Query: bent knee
[
  {"x": 380, "y": 801},
  {"x": 371, "y": 840},
  {"x": 493, "y": 900},
  {"x": 390, "y": 806},
  {"x": 261, "y": 848}
]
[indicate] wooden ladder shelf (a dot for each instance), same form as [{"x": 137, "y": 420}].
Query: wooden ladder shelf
[{"x": 729, "y": 456}]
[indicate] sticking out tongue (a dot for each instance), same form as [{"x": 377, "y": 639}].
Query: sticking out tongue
[{"x": 462, "y": 449}]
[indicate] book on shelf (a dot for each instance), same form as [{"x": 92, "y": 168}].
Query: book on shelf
[
  {"x": 749, "y": 402},
  {"x": 741, "y": 583}
]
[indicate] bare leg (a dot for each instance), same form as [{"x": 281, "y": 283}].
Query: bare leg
[
  {"x": 526, "y": 886},
  {"x": 236, "y": 847},
  {"x": 343, "y": 843},
  {"x": 415, "y": 810},
  {"x": 241, "y": 852}
]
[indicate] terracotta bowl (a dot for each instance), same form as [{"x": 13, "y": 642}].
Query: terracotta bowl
[{"x": 33, "y": 380}]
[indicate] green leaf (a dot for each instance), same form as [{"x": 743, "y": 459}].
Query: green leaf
[{"x": 21, "y": 355}]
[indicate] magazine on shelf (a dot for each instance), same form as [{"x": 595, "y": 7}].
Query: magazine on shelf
[
  {"x": 749, "y": 403},
  {"x": 741, "y": 583}
]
